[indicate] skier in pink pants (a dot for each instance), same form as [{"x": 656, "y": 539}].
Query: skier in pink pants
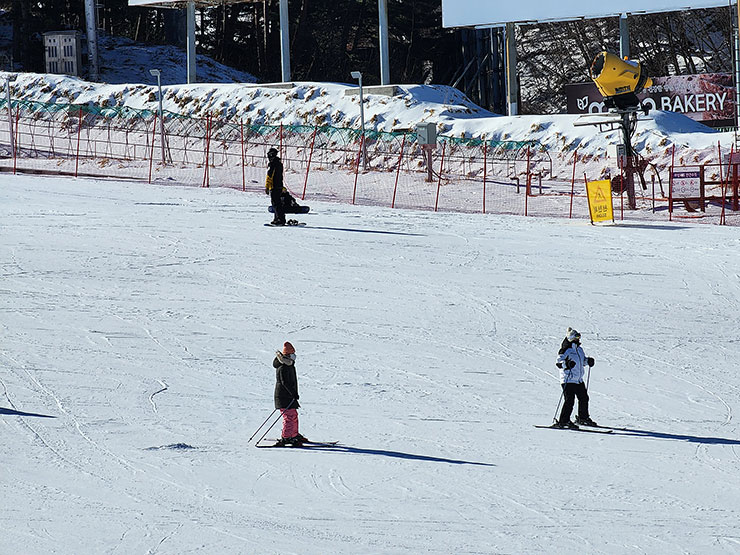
[{"x": 286, "y": 395}]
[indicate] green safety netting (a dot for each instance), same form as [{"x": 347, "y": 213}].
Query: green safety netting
[{"x": 335, "y": 134}]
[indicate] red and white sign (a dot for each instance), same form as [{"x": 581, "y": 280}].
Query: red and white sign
[
  {"x": 686, "y": 183},
  {"x": 707, "y": 97}
]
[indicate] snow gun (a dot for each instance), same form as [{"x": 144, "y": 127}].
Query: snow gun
[{"x": 619, "y": 80}]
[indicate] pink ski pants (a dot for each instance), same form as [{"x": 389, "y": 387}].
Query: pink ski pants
[{"x": 290, "y": 422}]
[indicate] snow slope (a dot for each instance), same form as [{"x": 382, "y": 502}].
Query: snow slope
[{"x": 138, "y": 325}]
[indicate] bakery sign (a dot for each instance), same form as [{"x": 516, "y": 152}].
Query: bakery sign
[{"x": 708, "y": 97}]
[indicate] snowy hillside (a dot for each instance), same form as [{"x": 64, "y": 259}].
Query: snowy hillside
[
  {"x": 138, "y": 325},
  {"x": 231, "y": 94},
  {"x": 125, "y": 61}
]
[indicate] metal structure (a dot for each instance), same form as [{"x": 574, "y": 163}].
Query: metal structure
[
  {"x": 190, "y": 5},
  {"x": 481, "y": 75},
  {"x": 284, "y": 31},
  {"x": 480, "y": 14}
]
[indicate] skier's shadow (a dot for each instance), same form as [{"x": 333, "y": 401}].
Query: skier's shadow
[
  {"x": 11, "y": 412},
  {"x": 394, "y": 454},
  {"x": 357, "y": 230},
  {"x": 681, "y": 437}
]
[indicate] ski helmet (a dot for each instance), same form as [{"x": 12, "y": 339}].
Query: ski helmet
[
  {"x": 272, "y": 153},
  {"x": 573, "y": 336}
]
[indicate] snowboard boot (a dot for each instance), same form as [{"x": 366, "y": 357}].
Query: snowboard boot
[{"x": 585, "y": 421}]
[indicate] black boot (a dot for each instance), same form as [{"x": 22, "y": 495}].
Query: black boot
[{"x": 585, "y": 421}]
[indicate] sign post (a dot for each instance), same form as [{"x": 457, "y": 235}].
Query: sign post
[{"x": 600, "y": 205}]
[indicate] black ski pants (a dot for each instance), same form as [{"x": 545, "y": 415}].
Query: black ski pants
[
  {"x": 570, "y": 392},
  {"x": 276, "y": 197}
]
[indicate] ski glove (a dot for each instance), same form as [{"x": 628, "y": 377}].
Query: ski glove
[
  {"x": 570, "y": 363},
  {"x": 559, "y": 364},
  {"x": 590, "y": 361}
]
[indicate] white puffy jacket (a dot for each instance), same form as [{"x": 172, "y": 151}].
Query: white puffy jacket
[{"x": 575, "y": 374}]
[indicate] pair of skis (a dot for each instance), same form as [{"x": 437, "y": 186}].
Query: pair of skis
[
  {"x": 592, "y": 429},
  {"x": 303, "y": 445}
]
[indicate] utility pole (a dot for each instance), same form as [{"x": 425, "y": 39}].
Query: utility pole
[
  {"x": 385, "y": 78},
  {"x": 284, "y": 41},
  {"x": 511, "y": 80},
  {"x": 92, "y": 40},
  {"x": 624, "y": 36},
  {"x": 190, "y": 48}
]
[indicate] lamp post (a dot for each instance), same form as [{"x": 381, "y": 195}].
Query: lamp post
[
  {"x": 357, "y": 75},
  {"x": 157, "y": 73}
]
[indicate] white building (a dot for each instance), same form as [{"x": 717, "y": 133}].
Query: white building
[{"x": 63, "y": 52}]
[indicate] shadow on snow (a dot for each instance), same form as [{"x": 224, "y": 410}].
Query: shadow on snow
[
  {"x": 366, "y": 231},
  {"x": 680, "y": 437},
  {"x": 12, "y": 412},
  {"x": 387, "y": 453}
]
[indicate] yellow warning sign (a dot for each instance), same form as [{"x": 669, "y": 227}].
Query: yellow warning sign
[{"x": 600, "y": 200}]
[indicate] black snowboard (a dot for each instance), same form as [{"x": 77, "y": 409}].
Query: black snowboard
[{"x": 293, "y": 209}]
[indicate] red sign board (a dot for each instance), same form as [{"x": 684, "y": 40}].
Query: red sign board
[{"x": 708, "y": 97}]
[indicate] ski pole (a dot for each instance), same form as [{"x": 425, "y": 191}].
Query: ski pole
[
  {"x": 588, "y": 377},
  {"x": 562, "y": 393},
  {"x": 271, "y": 425},
  {"x": 268, "y": 429},
  {"x": 555, "y": 418},
  {"x": 258, "y": 429}
]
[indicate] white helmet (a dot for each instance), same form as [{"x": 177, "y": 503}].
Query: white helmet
[{"x": 573, "y": 336}]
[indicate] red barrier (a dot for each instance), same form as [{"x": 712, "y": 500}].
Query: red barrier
[
  {"x": 151, "y": 153},
  {"x": 357, "y": 167},
  {"x": 395, "y": 175},
  {"x": 207, "y": 161},
  {"x": 241, "y": 137},
  {"x": 308, "y": 166},
  {"x": 398, "y": 170},
  {"x": 439, "y": 182},
  {"x": 573, "y": 183},
  {"x": 485, "y": 173}
]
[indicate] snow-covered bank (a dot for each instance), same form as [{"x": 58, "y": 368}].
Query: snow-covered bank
[{"x": 329, "y": 104}]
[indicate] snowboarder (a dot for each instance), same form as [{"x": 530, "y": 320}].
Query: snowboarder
[
  {"x": 572, "y": 361},
  {"x": 286, "y": 395},
  {"x": 274, "y": 186}
]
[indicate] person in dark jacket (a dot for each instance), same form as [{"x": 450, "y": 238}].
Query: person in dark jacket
[
  {"x": 274, "y": 186},
  {"x": 572, "y": 362},
  {"x": 286, "y": 395}
]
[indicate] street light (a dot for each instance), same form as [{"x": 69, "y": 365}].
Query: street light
[
  {"x": 156, "y": 73},
  {"x": 357, "y": 75}
]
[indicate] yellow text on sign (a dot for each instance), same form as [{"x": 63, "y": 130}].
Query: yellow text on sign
[{"x": 600, "y": 200}]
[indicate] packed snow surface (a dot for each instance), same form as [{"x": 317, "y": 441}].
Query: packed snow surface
[{"x": 138, "y": 326}]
